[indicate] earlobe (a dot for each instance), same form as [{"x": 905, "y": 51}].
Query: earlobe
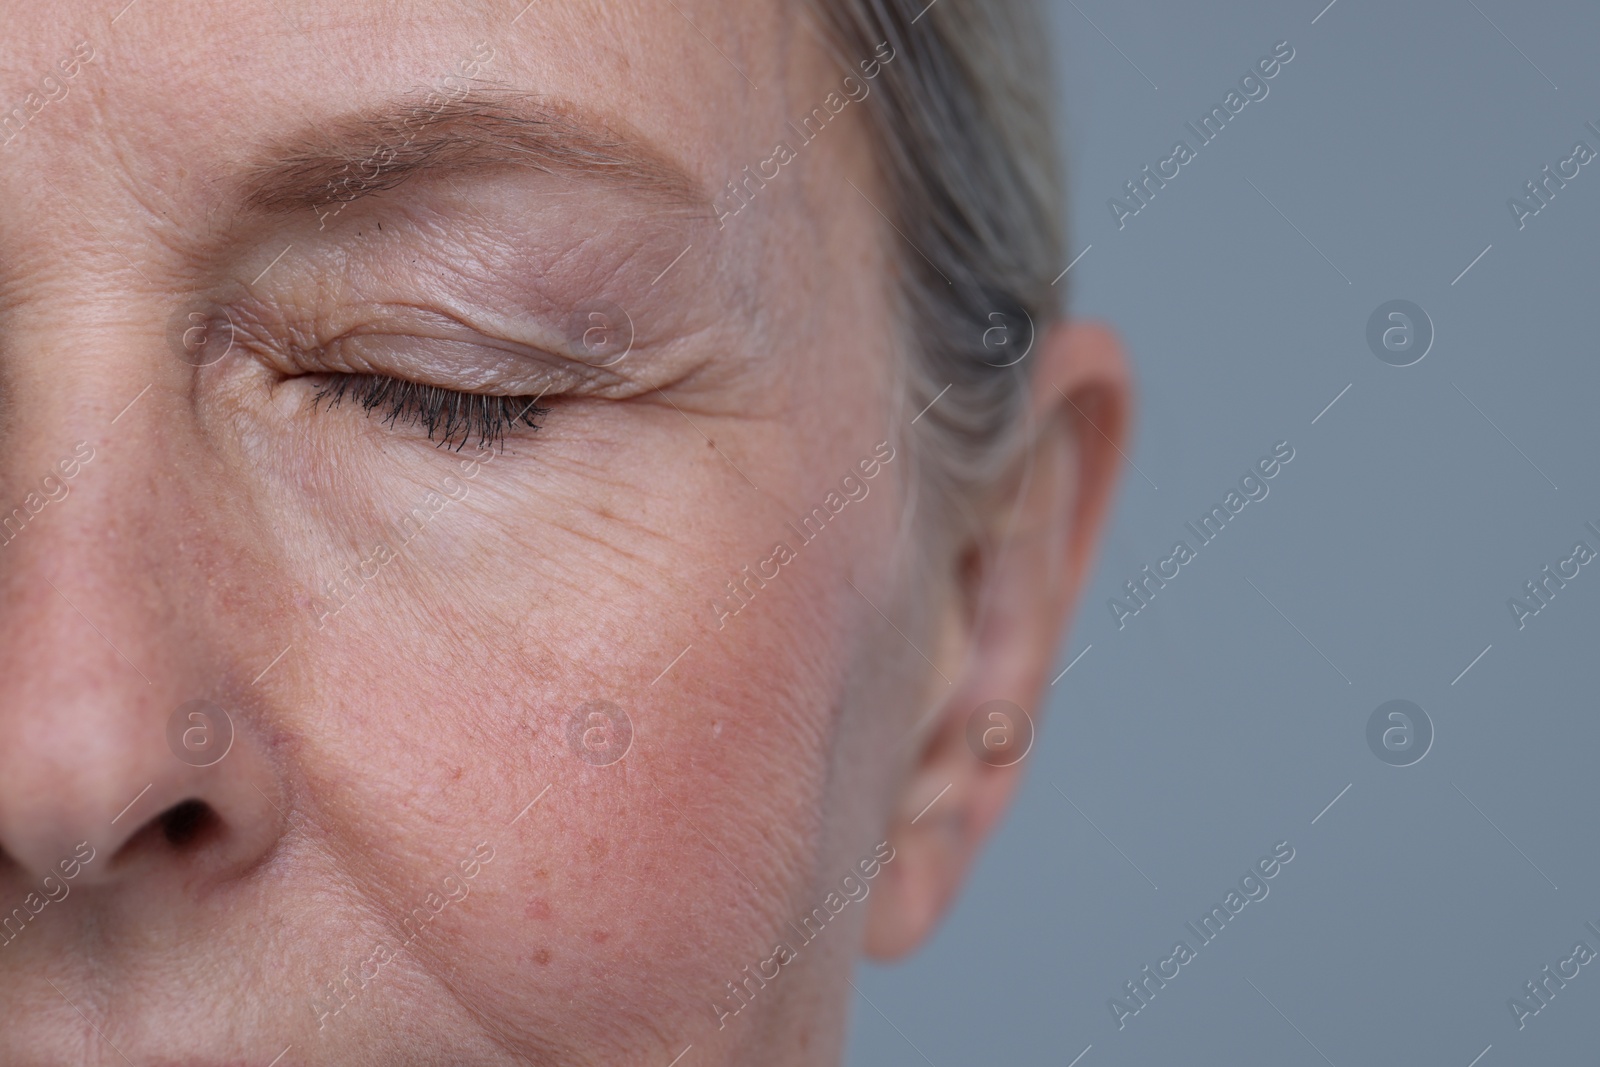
[
  {"x": 954, "y": 800},
  {"x": 1014, "y": 583}
]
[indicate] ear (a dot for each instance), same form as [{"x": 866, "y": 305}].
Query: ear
[{"x": 1016, "y": 580}]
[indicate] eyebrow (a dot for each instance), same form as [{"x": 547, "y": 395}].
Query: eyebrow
[{"x": 350, "y": 156}]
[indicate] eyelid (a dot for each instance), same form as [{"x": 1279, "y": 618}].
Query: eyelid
[
  {"x": 482, "y": 365},
  {"x": 413, "y": 344}
]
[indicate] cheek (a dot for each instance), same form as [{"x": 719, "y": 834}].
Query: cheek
[{"x": 481, "y": 670}]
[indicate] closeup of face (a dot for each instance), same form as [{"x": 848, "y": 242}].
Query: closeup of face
[{"x": 466, "y": 594}]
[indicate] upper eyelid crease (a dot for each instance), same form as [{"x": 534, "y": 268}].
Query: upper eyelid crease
[
  {"x": 296, "y": 343},
  {"x": 537, "y": 368}
]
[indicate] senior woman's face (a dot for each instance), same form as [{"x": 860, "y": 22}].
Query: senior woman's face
[{"x": 351, "y": 720}]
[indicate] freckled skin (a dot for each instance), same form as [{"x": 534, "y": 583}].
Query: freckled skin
[{"x": 413, "y": 852}]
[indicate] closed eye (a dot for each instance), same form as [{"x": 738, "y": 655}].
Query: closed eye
[{"x": 449, "y": 415}]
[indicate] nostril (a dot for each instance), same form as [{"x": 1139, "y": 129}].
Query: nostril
[
  {"x": 185, "y": 824},
  {"x": 185, "y": 827}
]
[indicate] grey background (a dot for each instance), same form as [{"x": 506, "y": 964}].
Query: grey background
[{"x": 1209, "y": 728}]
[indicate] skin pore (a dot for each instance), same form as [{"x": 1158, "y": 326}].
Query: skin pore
[{"x": 412, "y": 852}]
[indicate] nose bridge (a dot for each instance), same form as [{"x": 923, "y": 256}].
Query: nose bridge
[
  {"x": 78, "y": 637},
  {"x": 77, "y": 558},
  {"x": 115, "y": 681}
]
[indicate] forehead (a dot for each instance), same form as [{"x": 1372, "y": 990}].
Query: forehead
[{"x": 176, "y": 96}]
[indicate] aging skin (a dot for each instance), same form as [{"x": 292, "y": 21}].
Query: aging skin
[{"x": 402, "y": 629}]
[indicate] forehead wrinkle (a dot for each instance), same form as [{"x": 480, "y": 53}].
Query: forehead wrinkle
[{"x": 358, "y": 154}]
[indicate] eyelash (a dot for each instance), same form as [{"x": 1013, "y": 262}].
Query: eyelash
[{"x": 453, "y": 415}]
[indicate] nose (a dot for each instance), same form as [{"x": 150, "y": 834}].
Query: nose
[{"x": 130, "y": 732}]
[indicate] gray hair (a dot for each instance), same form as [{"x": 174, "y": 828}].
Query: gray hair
[{"x": 967, "y": 148}]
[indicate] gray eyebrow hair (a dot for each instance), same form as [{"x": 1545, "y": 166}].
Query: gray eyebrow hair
[{"x": 347, "y": 157}]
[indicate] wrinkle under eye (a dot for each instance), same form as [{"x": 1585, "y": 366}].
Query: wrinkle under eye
[{"x": 455, "y": 417}]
